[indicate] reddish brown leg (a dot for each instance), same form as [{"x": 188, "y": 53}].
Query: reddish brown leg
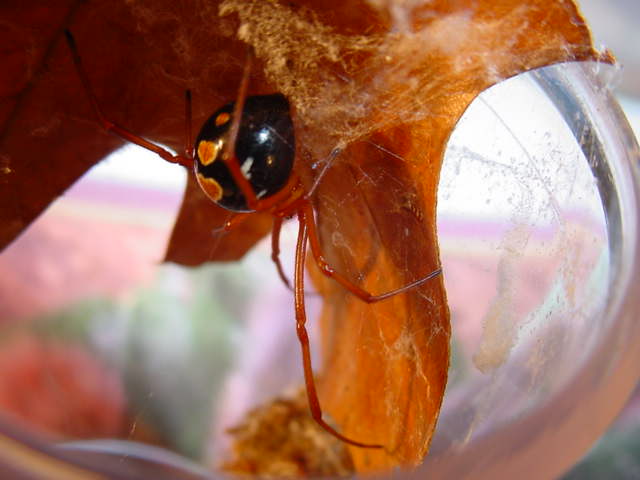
[
  {"x": 233, "y": 220},
  {"x": 275, "y": 253},
  {"x": 326, "y": 269},
  {"x": 238, "y": 107},
  {"x": 188, "y": 137},
  {"x": 112, "y": 127},
  {"x": 275, "y": 249},
  {"x": 253, "y": 202},
  {"x": 229, "y": 156},
  {"x": 301, "y": 320}
]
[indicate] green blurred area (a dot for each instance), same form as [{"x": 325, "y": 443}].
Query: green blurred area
[{"x": 172, "y": 344}]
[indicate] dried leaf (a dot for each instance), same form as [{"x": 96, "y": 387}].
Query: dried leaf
[{"x": 197, "y": 238}]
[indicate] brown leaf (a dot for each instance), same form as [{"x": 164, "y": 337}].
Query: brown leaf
[
  {"x": 140, "y": 58},
  {"x": 197, "y": 238}
]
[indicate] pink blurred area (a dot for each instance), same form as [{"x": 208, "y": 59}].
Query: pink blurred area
[{"x": 99, "y": 240}]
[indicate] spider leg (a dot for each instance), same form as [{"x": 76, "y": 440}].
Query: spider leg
[
  {"x": 188, "y": 137},
  {"x": 229, "y": 155},
  {"x": 233, "y": 220},
  {"x": 326, "y": 269},
  {"x": 275, "y": 250},
  {"x": 328, "y": 163},
  {"x": 275, "y": 254},
  {"x": 115, "y": 128},
  {"x": 303, "y": 337}
]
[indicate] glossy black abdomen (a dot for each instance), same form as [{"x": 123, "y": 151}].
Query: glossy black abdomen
[{"x": 265, "y": 149}]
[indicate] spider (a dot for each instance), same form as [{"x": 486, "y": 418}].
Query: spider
[{"x": 243, "y": 159}]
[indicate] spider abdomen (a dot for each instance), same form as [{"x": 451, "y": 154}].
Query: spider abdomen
[{"x": 264, "y": 148}]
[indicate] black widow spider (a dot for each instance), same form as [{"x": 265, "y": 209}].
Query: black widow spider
[{"x": 243, "y": 159}]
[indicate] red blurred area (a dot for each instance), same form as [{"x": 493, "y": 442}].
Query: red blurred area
[{"x": 60, "y": 389}]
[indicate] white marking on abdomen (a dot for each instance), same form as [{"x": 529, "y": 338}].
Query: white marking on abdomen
[{"x": 246, "y": 166}]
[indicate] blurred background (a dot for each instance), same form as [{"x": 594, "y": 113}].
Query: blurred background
[{"x": 111, "y": 340}]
